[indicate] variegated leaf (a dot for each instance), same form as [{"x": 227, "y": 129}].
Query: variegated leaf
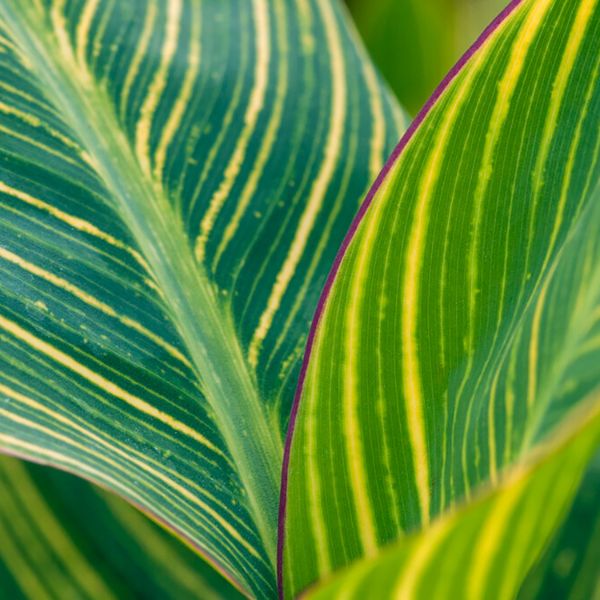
[
  {"x": 63, "y": 538},
  {"x": 484, "y": 548},
  {"x": 456, "y": 329},
  {"x": 175, "y": 177}
]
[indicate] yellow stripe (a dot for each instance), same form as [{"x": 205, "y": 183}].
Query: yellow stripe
[
  {"x": 82, "y": 35},
  {"x": 224, "y": 133},
  {"x": 492, "y": 430},
  {"x": 140, "y": 53},
  {"x": 268, "y": 140},
  {"x": 506, "y": 89},
  {"x": 29, "y": 99},
  {"x": 91, "y": 301},
  {"x": 61, "y": 33},
  {"x": 122, "y": 450},
  {"x": 101, "y": 476},
  {"x": 534, "y": 345},
  {"x": 6, "y": 43},
  {"x": 255, "y": 106},
  {"x": 35, "y": 121},
  {"x": 104, "y": 384},
  {"x": 10, "y": 442},
  {"x": 569, "y": 170},
  {"x": 56, "y": 537},
  {"x": 509, "y": 399},
  {"x": 319, "y": 188},
  {"x": 182, "y": 101},
  {"x": 75, "y": 222},
  {"x": 490, "y": 538},
  {"x": 383, "y": 407},
  {"x": 378, "y": 134},
  {"x": 411, "y": 378},
  {"x": 157, "y": 87},
  {"x": 355, "y": 454},
  {"x": 413, "y": 570},
  {"x": 575, "y": 38},
  {"x": 36, "y": 144},
  {"x": 315, "y": 506}
]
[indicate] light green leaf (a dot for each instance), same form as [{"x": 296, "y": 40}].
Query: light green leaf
[
  {"x": 63, "y": 538},
  {"x": 175, "y": 178},
  {"x": 463, "y": 323},
  {"x": 484, "y": 548}
]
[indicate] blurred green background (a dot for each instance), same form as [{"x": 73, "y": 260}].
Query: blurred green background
[{"x": 415, "y": 42}]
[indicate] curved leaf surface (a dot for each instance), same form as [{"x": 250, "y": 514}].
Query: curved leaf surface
[
  {"x": 174, "y": 178},
  {"x": 463, "y": 329},
  {"x": 569, "y": 567},
  {"x": 63, "y": 538},
  {"x": 485, "y": 548}
]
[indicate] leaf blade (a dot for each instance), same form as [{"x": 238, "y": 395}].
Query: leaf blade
[
  {"x": 44, "y": 515},
  {"x": 448, "y": 273},
  {"x": 123, "y": 358}
]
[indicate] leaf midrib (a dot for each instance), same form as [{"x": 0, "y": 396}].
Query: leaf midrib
[{"x": 205, "y": 327}]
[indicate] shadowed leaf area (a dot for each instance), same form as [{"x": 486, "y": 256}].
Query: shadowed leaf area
[{"x": 63, "y": 538}]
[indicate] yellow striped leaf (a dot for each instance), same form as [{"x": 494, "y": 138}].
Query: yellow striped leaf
[
  {"x": 483, "y": 548},
  {"x": 461, "y": 322},
  {"x": 175, "y": 178},
  {"x": 569, "y": 566},
  {"x": 63, "y": 538}
]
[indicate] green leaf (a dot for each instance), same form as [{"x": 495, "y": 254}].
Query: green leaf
[
  {"x": 484, "y": 548},
  {"x": 175, "y": 178},
  {"x": 464, "y": 317},
  {"x": 569, "y": 567},
  {"x": 63, "y": 538}
]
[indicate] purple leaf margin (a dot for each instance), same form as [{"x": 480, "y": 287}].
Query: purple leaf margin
[{"x": 508, "y": 10}]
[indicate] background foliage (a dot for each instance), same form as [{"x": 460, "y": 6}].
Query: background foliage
[{"x": 415, "y": 42}]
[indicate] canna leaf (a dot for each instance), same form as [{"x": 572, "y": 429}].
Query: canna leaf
[
  {"x": 497, "y": 534},
  {"x": 463, "y": 310},
  {"x": 175, "y": 177},
  {"x": 418, "y": 37},
  {"x": 63, "y": 538},
  {"x": 568, "y": 569}
]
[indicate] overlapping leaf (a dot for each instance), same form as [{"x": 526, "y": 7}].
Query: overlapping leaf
[
  {"x": 61, "y": 538},
  {"x": 463, "y": 330},
  {"x": 175, "y": 177},
  {"x": 413, "y": 43},
  {"x": 498, "y": 535}
]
